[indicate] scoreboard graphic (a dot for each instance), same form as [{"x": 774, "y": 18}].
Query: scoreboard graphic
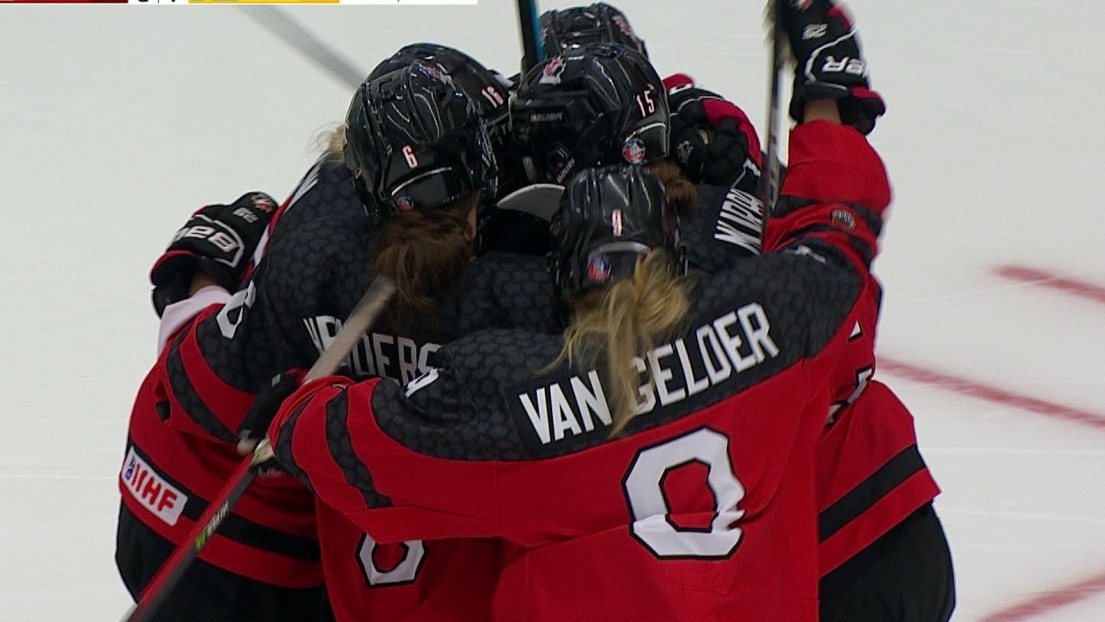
[{"x": 159, "y": 2}]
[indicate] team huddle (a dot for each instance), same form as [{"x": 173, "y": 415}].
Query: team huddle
[{"x": 605, "y": 388}]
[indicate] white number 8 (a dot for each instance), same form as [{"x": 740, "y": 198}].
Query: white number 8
[
  {"x": 406, "y": 571},
  {"x": 643, "y": 490}
]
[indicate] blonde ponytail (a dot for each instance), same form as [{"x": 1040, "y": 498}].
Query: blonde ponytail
[
  {"x": 624, "y": 320},
  {"x": 329, "y": 141}
]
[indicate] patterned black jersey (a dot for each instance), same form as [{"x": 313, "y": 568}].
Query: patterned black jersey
[
  {"x": 709, "y": 494},
  {"x": 316, "y": 267}
]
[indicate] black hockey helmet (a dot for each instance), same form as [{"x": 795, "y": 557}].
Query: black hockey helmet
[
  {"x": 586, "y": 25},
  {"x": 414, "y": 140},
  {"x": 592, "y": 106},
  {"x": 483, "y": 86},
  {"x": 608, "y": 217}
]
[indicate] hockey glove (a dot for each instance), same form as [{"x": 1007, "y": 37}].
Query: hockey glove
[
  {"x": 829, "y": 63},
  {"x": 709, "y": 135},
  {"x": 218, "y": 240},
  {"x": 257, "y": 419}
]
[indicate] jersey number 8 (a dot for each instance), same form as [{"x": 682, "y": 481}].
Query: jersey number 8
[{"x": 643, "y": 487}]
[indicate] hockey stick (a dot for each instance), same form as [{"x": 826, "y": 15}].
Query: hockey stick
[
  {"x": 770, "y": 179},
  {"x": 355, "y": 326},
  {"x": 531, "y": 42}
]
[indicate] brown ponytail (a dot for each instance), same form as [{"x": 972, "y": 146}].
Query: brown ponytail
[
  {"x": 680, "y": 192},
  {"x": 624, "y": 320},
  {"x": 426, "y": 253}
]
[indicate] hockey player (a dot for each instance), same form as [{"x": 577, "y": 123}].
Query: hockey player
[
  {"x": 220, "y": 350},
  {"x": 657, "y": 460},
  {"x": 883, "y": 554},
  {"x": 711, "y": 137},
  {"x": 574, "y": 111},
  {"x": 875, "y": 491}
]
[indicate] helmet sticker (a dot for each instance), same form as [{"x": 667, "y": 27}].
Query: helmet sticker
[
  {"x": 431, "y": 71},
  {"x": 616, "y": 222},
  {"x": 634, "y": 150},
  {"x": 598, "y": 268},
  {"x": 552, "y": 71},
  {"x": 405, "y": 204}
]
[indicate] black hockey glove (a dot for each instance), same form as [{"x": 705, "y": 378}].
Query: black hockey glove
[
  {"x": 829, "y": 63},
  {"x": 218, "y": 240},
  {"x": 706, "y": 135},
  {"x": 255, "y": 423}
]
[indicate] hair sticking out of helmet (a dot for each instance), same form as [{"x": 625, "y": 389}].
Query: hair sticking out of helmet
[
  {"x": 580, "y": 26},
  {"x": 415, "y": 141},
  {"x": 615, "y": 235},
  {"x": 592, "y": 106}
]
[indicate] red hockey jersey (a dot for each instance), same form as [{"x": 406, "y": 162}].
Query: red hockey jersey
[
  {"x": 870, "y": 477},
  {"x": 705, "y": 508}
]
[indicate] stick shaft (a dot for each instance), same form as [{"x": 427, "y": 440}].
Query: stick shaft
[
  {"x": 770, "y": 181},
  {"x": 531, "y": 42}
]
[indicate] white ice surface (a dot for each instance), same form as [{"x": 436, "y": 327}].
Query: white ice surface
[{"x": 115, "y": 122}]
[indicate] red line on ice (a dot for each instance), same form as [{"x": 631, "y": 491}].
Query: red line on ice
[
  {"x": 1050, "y": 600},
  {"x": 1051, "y": 280},
  {"x": 992, "y": 394}
]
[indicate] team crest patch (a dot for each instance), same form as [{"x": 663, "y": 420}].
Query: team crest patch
[
  {"x": 552, "y": 71},
  {"x": 633, "y": 151},
  {"x": 598, "y": 268}
]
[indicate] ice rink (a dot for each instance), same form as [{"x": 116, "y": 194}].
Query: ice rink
[{"x": 117, "y": 122}]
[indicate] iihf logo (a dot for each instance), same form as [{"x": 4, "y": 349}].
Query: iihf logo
[
  {"x": 552, "y": 71},
  {"x": 633, "y": 151},
  {"x": 598, "y": 268},
  {"x": 129, "y": 470}
]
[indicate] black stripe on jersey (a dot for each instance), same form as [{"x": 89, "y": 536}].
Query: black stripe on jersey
[
  {"x": 860, "y": 499},
  {"x": 866, "y": 253},
  {"x": 283, "y": 448},
  {"x": 871, "y": 220},
  {"x": 239, "y": 529},
  {"x": 341, "y": 449},
  {"x": 186, "y": 395},
  {"x": 787, "y": 204}
]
